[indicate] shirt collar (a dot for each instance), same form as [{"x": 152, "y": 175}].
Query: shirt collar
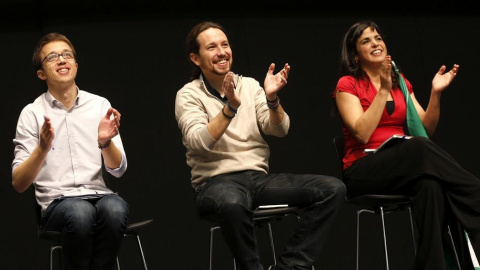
[
  {"x": 210, "y": 88},
  {"x": 52, "y": 100}
]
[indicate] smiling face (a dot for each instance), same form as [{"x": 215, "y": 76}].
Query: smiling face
[
  {"x": 371, "y": 48},
  {"x": 58, "y": 73},
  {"x": 214, "y": 55}
]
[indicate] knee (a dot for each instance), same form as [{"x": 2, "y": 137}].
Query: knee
[
  {"x": 114, "y": 210},
  {"x": 428, "y": 185},
  {"x": 419, "y": 140},
  {"x": 331, "y": 188},
  {"x": 80, "y": 219},
  {"x": 327, "y": 189},
  {"x": 339, "y": 187},
  {"x": 419, "y": 144},
  {"x": 231, "y": 205}
]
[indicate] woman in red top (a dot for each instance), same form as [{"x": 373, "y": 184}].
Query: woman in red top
[{"x": 372, "y": 108}]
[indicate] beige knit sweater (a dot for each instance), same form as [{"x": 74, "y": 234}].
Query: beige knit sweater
[{"x": 242, "y": 146}]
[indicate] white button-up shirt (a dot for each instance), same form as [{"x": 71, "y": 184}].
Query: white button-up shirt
[{"x": 73, "y": 166}]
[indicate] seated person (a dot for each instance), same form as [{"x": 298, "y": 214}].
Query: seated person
[
  {"x": 221, "y": 115},
  {"x": 372, "y": 107},
  {"x": 60, "y": 142}
]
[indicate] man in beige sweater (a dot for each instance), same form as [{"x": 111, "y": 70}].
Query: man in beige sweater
[{"x": 221, "y": 116}]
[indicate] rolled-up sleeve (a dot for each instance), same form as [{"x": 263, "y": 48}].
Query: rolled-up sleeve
[
  {"x": 117, "y": 140},
  {"x": 26, "y": 136}
]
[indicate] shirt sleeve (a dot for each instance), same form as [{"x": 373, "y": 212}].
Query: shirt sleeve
[
  {"x": 117, "y": 140},
  {"x": 346, "y": 84},
  {"x": 26, "y": 135}
]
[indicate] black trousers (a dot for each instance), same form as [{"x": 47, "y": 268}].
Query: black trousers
[
  {"x": 231, "y": 199},
  {"x": 442, "y": 191}
]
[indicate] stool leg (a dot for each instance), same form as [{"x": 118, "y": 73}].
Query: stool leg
[
  {"x": 453, "y": 247},
  {"x": 272, "y": 244},
  {"x": 358, "y": 235},
  {"x": 413, "y": 230},
  {"x": 52, "y": 249},
  {"x": 212, "y": 230},
  {"x": 384, "y": 236},
  {"x": 141, "y": 252},
  {"x": 51, "y": 258}
]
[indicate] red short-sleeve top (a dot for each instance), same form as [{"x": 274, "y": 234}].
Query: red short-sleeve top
[{"x": 388, "y": 125}]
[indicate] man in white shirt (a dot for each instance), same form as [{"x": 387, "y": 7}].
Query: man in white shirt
[{"x": 60, "y": 141}]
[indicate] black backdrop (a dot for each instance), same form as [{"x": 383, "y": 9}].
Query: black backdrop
[{"x": 133, "y": 54}]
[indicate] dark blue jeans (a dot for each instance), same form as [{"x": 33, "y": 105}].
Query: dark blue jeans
[
  {"x": 231, "y": 198},
  {"x": 92, "y": 230}
]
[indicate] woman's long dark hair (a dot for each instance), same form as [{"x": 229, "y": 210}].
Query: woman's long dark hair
[{"x": 348, "y": 65}]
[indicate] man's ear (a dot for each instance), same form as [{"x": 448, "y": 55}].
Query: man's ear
[
  {"x": 41, "y": 75},
  {"x": 194, "y": 59}
]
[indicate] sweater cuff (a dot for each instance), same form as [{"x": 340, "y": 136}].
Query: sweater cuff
[{"x": 207, "y": 140}]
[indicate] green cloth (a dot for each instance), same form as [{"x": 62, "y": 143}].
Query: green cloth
[
  {"x": 466, "y": 235},
  {"x": 414, "y": 124}
]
